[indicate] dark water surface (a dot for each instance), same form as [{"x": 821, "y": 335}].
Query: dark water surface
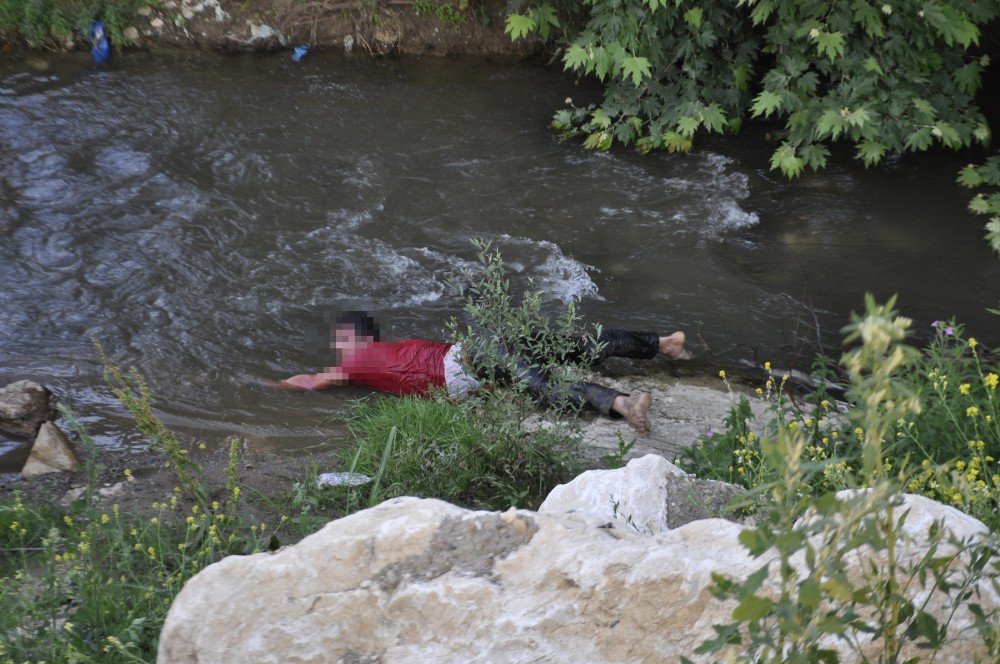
[{"x": 196, "y": 214}]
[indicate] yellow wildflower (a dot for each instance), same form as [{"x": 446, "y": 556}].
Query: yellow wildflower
[
  {"x": 972, "y": 342},
  {"x": 964, "y": 388},
  {"x": 722, "y": 374},
  {"x": 991, "y": 380},
  {"x": 971, "y": 411}
]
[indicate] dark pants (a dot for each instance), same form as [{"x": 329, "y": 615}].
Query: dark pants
[{"x": 612, "y": 343}]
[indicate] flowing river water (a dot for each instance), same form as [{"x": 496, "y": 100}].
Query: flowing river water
[{"x": 199, "y": 214}]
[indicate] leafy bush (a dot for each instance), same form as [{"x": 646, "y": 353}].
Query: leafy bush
[
  {"x": 93, "y": 582},
  {"x": 987, "y": 202},
  {"x": 947, "y": 449},
  {"x": 803, "y": 599},
  {"x": 888, "y": 79},
  {"x": 47, "y": 23}
]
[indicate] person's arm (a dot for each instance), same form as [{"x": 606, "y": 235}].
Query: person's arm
[{"x": 319, "y": 381}]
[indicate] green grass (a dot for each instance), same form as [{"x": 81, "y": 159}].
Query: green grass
[
  {"x": 47, "y": 23},
  {"x": 456, "y": 452}
]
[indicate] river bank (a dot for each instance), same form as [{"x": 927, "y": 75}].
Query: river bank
[
  {"x": 684, "y": 408},
  {"x": 414, "y": 27}
]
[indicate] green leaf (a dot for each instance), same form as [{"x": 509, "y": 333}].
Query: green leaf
[
  {"x": 871, "y": 152},
  {"x": 575, "y": 57},
  {"x": 924, "y": 108},
  {"x": 814, "y": 156},
  {"x": 693, "y": 17},
  {"x": 967, "y": 77},
  {"x": 979, "y": 205},
  {"x": 858, "y": 118},
  {"x": 601, "y": 119},
  {"x": 830, "y": 44},
  {"x": 519, "y": 25},
  {"x": 726, "y": 635},
  {"x": 810, "y": 594},
  {"x": 741, "y": 77},
  {"x": 766, "y": 103},
  {"x": 754, "y": 581},
  {"x": 601, "y": 61},
  {"x": 969, "y": 177},
  {"x": 872, "y": 66},
  {"x": 686, "y": 126},
  {"x": 918, "y": 140},
  {"x": 751, "y": 608},
  {"x": 563, "y": 120},
  {"x": 754, "y": 541},
  {"x": 674, "y": 142},
  {"x": 993, "y": 236},
  {"x": 713, "y": 117},
  {"x": 636, "y": 68},
  {"x": 785, "y": 159}
]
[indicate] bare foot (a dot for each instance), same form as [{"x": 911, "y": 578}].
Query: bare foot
[
  {"x": 634, "y": 410},
  {"x": 673, "y": 346}
]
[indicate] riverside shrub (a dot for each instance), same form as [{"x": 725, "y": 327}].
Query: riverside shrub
[
  {"x": 947, "y": 450},
  {"x": 889, "y": 605}
]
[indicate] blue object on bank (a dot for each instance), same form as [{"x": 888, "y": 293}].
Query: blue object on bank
[
  {"x": 300, "y": 52},
  {"x": 102, "y": 47}
]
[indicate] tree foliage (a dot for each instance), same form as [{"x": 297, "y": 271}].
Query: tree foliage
[
  {"x": 985, "y": 202},
  {"x": 888, "y": 76}
]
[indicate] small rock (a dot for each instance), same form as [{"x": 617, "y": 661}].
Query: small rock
[
  {"x": 262, "y": 31},
  {"x": 112, "y": 491},
  {"x": 130, "y": 34},
  {"x": 145, "y": 10},
  {"x": 156, "y": 23},
  {"x": 349, "y": 44},
  {"x": 51, "y": 453},
  {"x": 187, "y": 12},
  {"x": 24, "y": 405},
  {"x": 342, "y": 479}
]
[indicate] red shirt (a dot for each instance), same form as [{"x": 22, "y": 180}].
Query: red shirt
[{"x": 413, "y": 366}]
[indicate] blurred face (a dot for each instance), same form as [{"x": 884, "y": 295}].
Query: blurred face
[{"x": 346, "y": 343}]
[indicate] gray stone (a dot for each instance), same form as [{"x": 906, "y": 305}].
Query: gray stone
[
  {"x": 51, "y": 453},
  {"x": 650, "y": 495},
  {"x": 24, "y": 405}
]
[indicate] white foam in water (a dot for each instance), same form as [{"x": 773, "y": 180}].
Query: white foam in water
[
  {"x": 716, "y": 209},
  {"x": 558, "y": 275}
]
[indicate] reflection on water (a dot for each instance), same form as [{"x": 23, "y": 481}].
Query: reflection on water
[{"x": 195, "y": 214}]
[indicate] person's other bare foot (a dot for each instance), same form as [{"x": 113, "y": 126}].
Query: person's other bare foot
[
  {"x": 634, "y": 409},
  {"x": 673, "y": 346}
]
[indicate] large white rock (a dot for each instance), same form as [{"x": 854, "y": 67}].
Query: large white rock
[
  {"x": 650, "y": 494},
  {"x": 416, "y": 580}
]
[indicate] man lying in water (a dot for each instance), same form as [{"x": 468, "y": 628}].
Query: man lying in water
[{"x": 416, "y": 366}]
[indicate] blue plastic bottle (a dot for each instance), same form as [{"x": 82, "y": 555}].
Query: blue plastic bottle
[
  {"x": 300, "y": 52},
  {"x": 102, "y": 47}
]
